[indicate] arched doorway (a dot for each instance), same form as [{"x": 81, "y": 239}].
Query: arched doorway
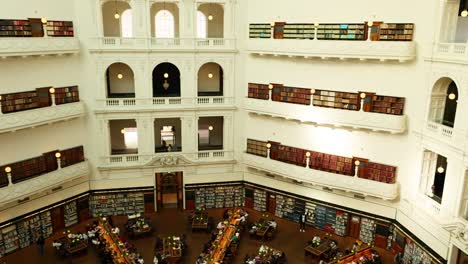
[
  {"x": 117, "y": 19},
  {"x": 169, "y": 190},
  {"x": 120, "y": 81},
  {"x": 166, "y": 80},
  {"x": 444, "y": 99},
  {"x": 210, "y": 80}
]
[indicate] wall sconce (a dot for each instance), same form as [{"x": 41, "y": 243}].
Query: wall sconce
[
  {"x": 452, "y": 96},
  {"x": 210, "y": 128},
  {"x": 59, "y": 162},
  {"x": 362, "y": 95},
  {"x": 210, "y": 75},
  {"x": 44, "y": 20},
  {"x": 119, "y": 76},
  {"x": 440, "y": 169},
  {"x": 166, "y": 75}
]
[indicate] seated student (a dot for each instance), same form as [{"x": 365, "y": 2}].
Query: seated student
[
  {"x": 316, "y": 240},
  {"x": 253, "y": 230},
  {"x": 57, "y": 244},
  {"x": 235, "y": 238},
  {"x": 273, "y": 224},
  {"x": 116, "y": 230},
  {"x": 221, "y": 225}
]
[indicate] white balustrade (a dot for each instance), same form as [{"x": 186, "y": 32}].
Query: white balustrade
[{"x": 451, "y": 51}]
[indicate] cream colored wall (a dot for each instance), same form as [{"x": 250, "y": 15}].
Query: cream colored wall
[{"x": 171, "y": 7}]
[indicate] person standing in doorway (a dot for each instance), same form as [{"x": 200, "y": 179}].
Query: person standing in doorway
[{"x": 40, "y": 245}]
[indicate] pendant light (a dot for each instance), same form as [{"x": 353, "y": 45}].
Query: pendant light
[
  {"x": 452, "y": 96},
  {"x": 166, "y": 75},
  {"x": 210, "y": 75},
  {"x": 464, "y": 13},
  {"x": 116, "y": 15},
  {"x": 440, "y": 169},
  {"x": 210, "y": 16},
  {"x": 119, "y": 76}
]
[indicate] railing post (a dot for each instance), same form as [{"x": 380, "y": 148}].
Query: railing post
[
  {"x": 8, "y": 172},
  {"x": 356, "y": 168},
  {"x": 307, "y": 159},
  {"x": 268, "y": 145},
  {"x": 59, "y": 161},
  {"x": 52, "y": 95}
]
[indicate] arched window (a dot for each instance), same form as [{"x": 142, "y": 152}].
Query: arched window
[
  {"x": 127, "y": 24},
  {"x": 164, "y": 24},
  {"x": 202, "y": 26}
]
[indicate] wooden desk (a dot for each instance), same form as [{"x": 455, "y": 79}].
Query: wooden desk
[
  {"x": 268, "y": 254},
  {"x": 262, "y": 227},
  {"x": 71, "y": 248},
  {"x": 113, "y": 240},
  {"x": 200, "y": 220},
  {"x": 363, "y": 250},
  {"x": 172, "y": 250},
  {"x": 319, "y": 250}
]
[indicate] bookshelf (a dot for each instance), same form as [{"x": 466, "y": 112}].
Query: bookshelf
[
  {"x": 60, "y": 28},
  {"x": 299, "y": 31},
  {"x": 116, "y": 204},
  {"x": 200, "y": 198},
  {"x": 379, "y": 172},
  {"x": 24, "y": 235},
  {"x": 320, "y": 216},
  {"x": 46, "y": 224},
  {"x": 387, "y": 105},
  {"x": 415, "y": 254},
  {"x": 258, "y": 30},
  {"x": 288, "y": 154},
  {"x": 70, "y": 214},
  {"x": 341, "y": 223},
  {"x": 257, "y": 147},
  {"x": 65, "y": 95},
  {"x": 260, "y": 200},
  {"x": 10, "y": 239},
  {"x": 339, "y": 100},
  {"x": 330, "y": 220},
  {"x": 35, "y": 226},
  {"x": 341, "y": 32},
  {"x": 27, "y": 169},
  {"x": 289, "y": 208},
  {"x": 396, "y": 31},
  {"x": 218, "y": 196},
  {"x": 16, "y": 102},
  {"x": 291, "y": 95},
  {"x": 258, "y": 91},
  {"x": 2, "y": 246},
  {"x": 310, "y": 217},
  {"x": 367, "y": 231},
  {"x": 15, "y": 28},
  {"x": 210, "y": 197},
  {"x": 331, "y": 163},
  {"x": 72, "y": 156}
]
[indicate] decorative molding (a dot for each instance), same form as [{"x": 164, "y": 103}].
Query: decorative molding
[
  {"x": 328, "y": 116},
  {"x": 40, "y": 116},
  {"x": 10, "y": 47},
  {"x": 43, "y": 182},
  {"x": 401, "y": 51}
]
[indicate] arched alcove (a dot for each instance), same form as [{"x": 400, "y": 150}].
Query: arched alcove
[
  {"x": 210, "y": 80},
  {"x": 114, "y": 13},
  {"x": 120, "y": 81},
  {"x": 214, "y": 14},
  {"x": 444, "y": 99},
  {"x": 166, "y": 80},
  {"x": 164, "y": 20}
]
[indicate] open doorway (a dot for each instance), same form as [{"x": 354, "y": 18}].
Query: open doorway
[{"x": 169, "y": 190}]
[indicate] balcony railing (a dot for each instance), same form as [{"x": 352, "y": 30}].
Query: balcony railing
[
  {"x": 164, "y": 103},
  {"x": 451, "y": 52},
  {"x": 40, "y": 116},
  {"x": 445, "y": 134},
  {"x": 322, "y": 178},
  {"x": 167, "y": 158},
  {"x": 373, "y": 50},
  {"x": 38, "y": 46},
  {"x": 118, "y": 43},
  {"x": 44, "y": 182}
]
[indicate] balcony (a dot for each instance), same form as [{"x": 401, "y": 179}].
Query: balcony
[
  {"x": 450, "y": 52},
  {"x": 164, "y": 103},
  {"x": 36, "y": 117},
  {"x": 326, "y": 179},
  {"x": 454, "y": 138},
  {"x": 167, "y": 159},
  {"x": 328, "y": 116},
  {"x": 401, "y": 51},
  {"x": 112, "y": 44},
  {"x": 44, "y": 182},
  {"x": 10, "y": 47}
]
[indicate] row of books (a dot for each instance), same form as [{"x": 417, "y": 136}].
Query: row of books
[
  {"x": 218, "y": 197},
  {"x": 324, "y": 162},
  {"x": 33, "y": 28},
  {"x": 117, "y": 204},
  {"x": 326, "y": 98}
]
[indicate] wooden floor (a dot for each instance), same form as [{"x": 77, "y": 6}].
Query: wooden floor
[{"x": 174, "y": 222}]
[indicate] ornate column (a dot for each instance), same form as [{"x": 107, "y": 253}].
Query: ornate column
[
  {"x": 145, "y": 130},
  {"x": 139, "y": 16},
  {"x": 105, "y": 137},
  {"x": 448, "y": 18},
  {"x": 97, "y": 8},
  {"x": 228, "y": 133},
  {"x": 189, "y": 134}
]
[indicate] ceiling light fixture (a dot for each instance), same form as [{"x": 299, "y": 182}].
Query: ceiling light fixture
[
  {"x": 452, "y": 96},
  {"x": 440, "y": 169},
  {"x": 116, "y": 15},
  {"x": 210, "y": 75},
  {"x": 166, "y": 75},
  {"x": 210, "y": 128},
  {"x": 119, "y": 76}
]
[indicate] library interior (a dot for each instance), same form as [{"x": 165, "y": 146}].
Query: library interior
[{"x": 234, "y": 131}]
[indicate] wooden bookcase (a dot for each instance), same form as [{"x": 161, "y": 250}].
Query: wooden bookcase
[
  {"x": 387, "y": 105},
  {"x": 331, "y": 163},
  {"x": 60, "y": 29},
  {"x": 257, "y": 30},
  {"x": 380, "y": 172},
  {"x": 291, "y": 95},
  {"x": 341, "y": 32},
  {"x": 396, "y": 31},
  {"x": 64, "y": 95},
  {"x": 15, "y": 28},
  {"x": 299, "y": 31},
  {"x": 278, "y": 30},
  {"x": 257, "y": 147},
  {"x": 290, "y": 155},
  {"x": 27, "y": 169},
  {"x": 340, "y": 100},
  {"x": 72, "y": 156},
  {"x": 258, "y": 91},
  {"x": 16, "y": 102}
]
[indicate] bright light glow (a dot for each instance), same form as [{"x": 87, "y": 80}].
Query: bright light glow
[
  {"x": 119, "y": 76},
  {"x": 363, "y": 95},
  {"x": 52, "y": 90},
  {"x": 210, "y": 128},
  {"x": 58, "y": 155},
  {"x": 210, "y": 75},
  {"x": 202, "y": 25},
  {"x": 7, "y": 169},
  {"x": 210, "y": 17},
  {"x": 164, "y": 24},
  {"x": 270, "y": 86},
  {"x": 440, "y": 169},
  {"x": 127, "y": 24},
  {"x": 44, "y": 20},
  {"x": 316, "y": 24},
  {"x": 312, "y": 91},
  {"x": 272, "y": 24},
  {"x": 166, "y": 75},
  {"x": 307, "y": 154},
  {"x": 122, "y": 131},
  {"x": 452, "y": 96},
  {"x": 370, "y": 23},
  {"x": 464, "y": 13},
  {"x": 268, "y": 145},
  {"x": 131, "y": 138},
  {"x": 116, "y": 16},
  {"x": 357, "y": 163}
]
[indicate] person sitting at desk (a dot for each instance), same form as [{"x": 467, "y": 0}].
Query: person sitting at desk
[
  {"x": 273, "y": 224},
  {"x": 221, "y": 225},
  {"x": 253, "y": 230},
  {"x": 243, "y": 218},
  {"x": 116, "y": 230},
  {"x": 235, "y": 238},
  {"x": 57, "y": 244},
  {"x": 140, "y": 259},
  {"x": 316, "y": 240}
]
